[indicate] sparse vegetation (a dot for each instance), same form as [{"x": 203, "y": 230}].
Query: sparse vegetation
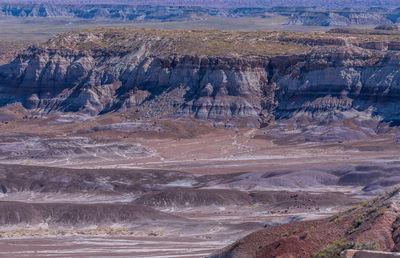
[
  {"x": 190, "y": 42},
  {"x": 371, "y": 211},
  {"x": 9, "y": 48},
  {"x": 339, "y": 245},
  {"x": 180, "y": 197},
  {"x": 366, "y": 212},
  {"x": 373, "y": 246},
  {"x": 334, "y": 249},
  {"x": 393, "y": 192},
  {"x": 208, "y": 42}
]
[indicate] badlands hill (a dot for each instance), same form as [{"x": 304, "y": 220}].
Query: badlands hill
[
  {"x": 230, "y": 3},
  {"x": 248, "y": 78},
  {"x": 373, "y": 225},
  {"x": 297, "y": 13},
  {"x": 136, "y": 141}
]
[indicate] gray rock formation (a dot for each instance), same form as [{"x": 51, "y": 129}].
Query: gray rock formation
[
  {"x": 360, "y": 4},
  {"x": 125, "y": 12},
  {"x": 387, "y": 27},
  {"x": 326, "y": 84},
  {"x": 83, "y": 81},
  {"x": 139, "y": 11},
  {"x": 339, "y": 18}
]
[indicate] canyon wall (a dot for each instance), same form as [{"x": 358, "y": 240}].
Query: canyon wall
[
  {"x": 162, "y": 12},
  {"x": 331, "y": 83}
]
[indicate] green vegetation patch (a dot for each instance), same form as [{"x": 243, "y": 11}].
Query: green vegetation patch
[
  {"x": 337, "y": 246},
  {"x": 334, "y": 249}
]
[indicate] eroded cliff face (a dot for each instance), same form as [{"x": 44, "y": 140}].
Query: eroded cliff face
[
  {"x": 340, "y": 83},
  {"x": 325, "y": 84},
  {"x": 73, "y": 81}
]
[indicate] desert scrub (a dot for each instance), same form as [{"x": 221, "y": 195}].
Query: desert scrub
[
  {"x": 380, "y": 212},
  {"x": 341, "y": 215},
  {"x": 359, "y": 221},
  {"x": 373, "y": 246},
  {"x": 368, "y": 210},
  {"x": 289, "y": 234},
  {"x": 334, "y": 249},
  {"x": 207, "y": 42},
  {"x": 183, "y": 42},
  {"x": 391, "y": 193},
  {"x": 370, "y": 214},
  {"x": 371, "y": 210}
]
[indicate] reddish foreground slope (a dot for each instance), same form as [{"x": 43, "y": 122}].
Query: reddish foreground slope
[{"x": 373, "y": 225}]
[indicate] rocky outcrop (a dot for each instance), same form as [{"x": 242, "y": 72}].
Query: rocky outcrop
[
  {"x": 340, "y": 80},
  {"x": 197, "y": 86},
  {"x": 124, "y": 12},
  {"x": 387, "y": 27},
  {"x": 229, "y": 3},
  {"x": 312, "y": 14},
  {"x": 339, "y": 18},
  {"x": 79, "y": 72},
  {"x": 79, "y": 81},
  {"x": 372, "y": 225}
]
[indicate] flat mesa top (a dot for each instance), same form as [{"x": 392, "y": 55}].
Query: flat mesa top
[{"x": 213, "y": 42}]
